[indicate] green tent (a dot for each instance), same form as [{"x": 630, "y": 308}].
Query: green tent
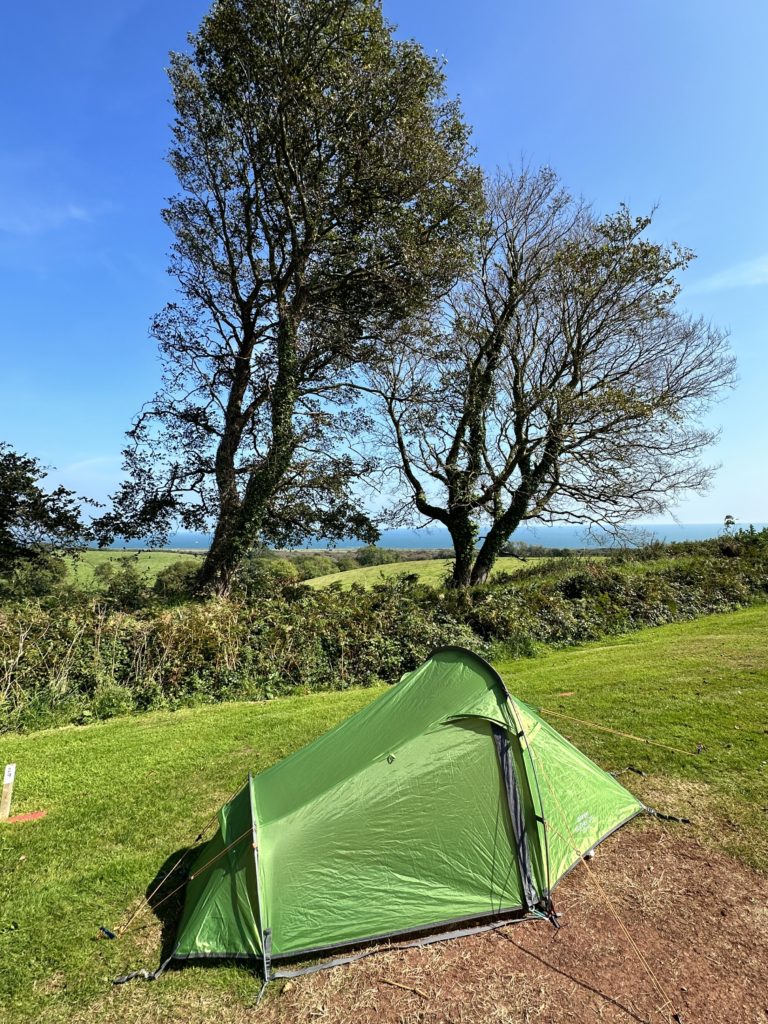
[{"x": 446, "y": 800}]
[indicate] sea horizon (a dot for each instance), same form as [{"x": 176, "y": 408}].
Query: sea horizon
[{"x": 432, "y": 537}]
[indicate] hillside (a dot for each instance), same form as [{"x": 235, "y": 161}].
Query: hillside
[
  {"x": 122, "y": 796},
  {"x": 148, "y": 563},
  {"x": 433, "y": 571}
]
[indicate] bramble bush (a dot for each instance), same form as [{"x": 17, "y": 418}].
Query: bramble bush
[
  {"x": 75, "y": 662},
  {"x": 85, "y": 657}
]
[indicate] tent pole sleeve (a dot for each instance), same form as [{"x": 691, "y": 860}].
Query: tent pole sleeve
[
  {"x": 527, "y": 750},
  {"x": 516, "y": 814},
  {"x": 266, "y": 954}
]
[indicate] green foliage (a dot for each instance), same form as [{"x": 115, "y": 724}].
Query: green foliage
[
  {"x": 560, "y": 605},
  {"x": 373, "y": 555},
  {"x": 122, "y": 584},
  {"x": 263, "y": 576},
  {"x": 33, "y": 522},
  {"x": 177, "y": 581},
  {"x": 41, "y": 576},
  {"x": 73, "y": 660},
  {"x": 520, "y": 549},
  {"x": 346, "y": 562},
  {"x": 310, "y": 566}
]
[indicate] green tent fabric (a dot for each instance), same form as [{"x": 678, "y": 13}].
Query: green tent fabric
[{"x": 445, "y": 800}]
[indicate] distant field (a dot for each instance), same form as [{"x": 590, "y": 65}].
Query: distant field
[
  {"x": 150, "y": 563},
  {"x": 432, "y": 570}
]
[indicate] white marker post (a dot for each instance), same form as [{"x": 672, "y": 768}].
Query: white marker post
[{"x": 5, "y": 802}]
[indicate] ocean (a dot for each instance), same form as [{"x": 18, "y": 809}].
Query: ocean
[{"x": 548, "y": 536}]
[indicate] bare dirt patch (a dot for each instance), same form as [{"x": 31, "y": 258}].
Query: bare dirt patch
[{"x": 699, "y": 919}]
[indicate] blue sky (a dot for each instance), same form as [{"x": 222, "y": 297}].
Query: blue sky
[{"x": 646, "y": 102}]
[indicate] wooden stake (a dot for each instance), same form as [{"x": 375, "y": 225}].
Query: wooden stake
[{"x": 5, "y": 802}]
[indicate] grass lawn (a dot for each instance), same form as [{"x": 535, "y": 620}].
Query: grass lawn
[
  {"x": 124, "y": 795},
  {"x": 429, "y": 570},
  {"x": 150, "y": 563}
]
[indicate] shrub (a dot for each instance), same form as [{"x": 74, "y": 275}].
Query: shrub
[
  {"x": 58, "y": 664},
  {"x": 346, "y": 562},
  {"x": 373, "y": 555},
  {"x": 311, "y": 566},
  {"x": 122, "y": 585},
  {"x": 40, "y": 576},
  {"x": 72, "y": 662},
  {"x": 177, "y": 581},
  {"x": 260, "y": 577}
]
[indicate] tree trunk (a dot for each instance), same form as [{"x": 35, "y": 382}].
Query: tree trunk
[
  {"x": 221, "y": 562},
  {"x": 240, "y": 522},
  {"x": 484, "y": 562},
  {"x": 463, "y": 534},
  {"x": 491, "y": 547}
]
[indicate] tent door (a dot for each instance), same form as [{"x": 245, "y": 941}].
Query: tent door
[{"x": 516, "y": 813}]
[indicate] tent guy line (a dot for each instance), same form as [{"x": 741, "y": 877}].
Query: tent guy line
[
  {"x": 146, "y": 901},
  {"x": 617, "y": 732},
  {"x": 603, "y": 894}
]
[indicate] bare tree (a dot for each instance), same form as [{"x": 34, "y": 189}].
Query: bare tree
[
  {"x": 558, "y": 383},
  {"x": 326, "y": 192}
]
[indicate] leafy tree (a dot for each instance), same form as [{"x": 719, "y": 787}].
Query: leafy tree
[
  {"x": 311, "y": 566},
  {"x": 35, "y": 523},
  {"x": 372, "y": 555},
  {"x": 558, "y": 382},
  {"x": 326, "y": 193}
]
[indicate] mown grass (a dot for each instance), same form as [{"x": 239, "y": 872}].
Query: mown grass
[
  {"x": 124, "y": 795},
  {"x": 433, "y": 571},
  {"x": 702, "y": 682},
  {"x": 148, "y": 563}
]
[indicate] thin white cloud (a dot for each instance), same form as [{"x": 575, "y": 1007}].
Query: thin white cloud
[
  {"x": 94, "y": 463},
  {"x": 27, "y": 219},
  {"x": 750, "y": 274}
]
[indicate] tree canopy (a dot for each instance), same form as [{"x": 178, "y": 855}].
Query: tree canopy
[
  {"x": 558, "y": 382},
  {"x": 326, "y": 194},
  {"x": 34, "y": 522}
]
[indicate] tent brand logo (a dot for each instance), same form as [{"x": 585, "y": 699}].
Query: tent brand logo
[{"x": 584, "y": 823}]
